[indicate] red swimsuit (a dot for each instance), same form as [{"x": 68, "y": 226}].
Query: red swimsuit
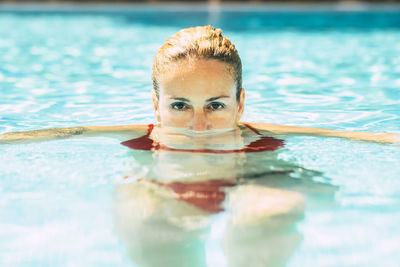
[
  {"x": 205, "y": 195},
  {"x": 265, "y": 143}
]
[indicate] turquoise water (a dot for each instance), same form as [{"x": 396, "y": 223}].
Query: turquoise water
[{"x": 336, "y": 70}]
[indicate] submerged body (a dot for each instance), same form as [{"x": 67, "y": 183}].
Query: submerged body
[{"x": 168, "y": 202}]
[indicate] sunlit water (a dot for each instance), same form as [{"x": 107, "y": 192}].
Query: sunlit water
[{"x": 322, "y": 69}]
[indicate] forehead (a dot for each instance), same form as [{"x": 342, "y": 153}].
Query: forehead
[{"x": 199, "y": 77}]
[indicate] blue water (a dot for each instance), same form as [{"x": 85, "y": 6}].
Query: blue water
[{"x": 332, "y": 69}]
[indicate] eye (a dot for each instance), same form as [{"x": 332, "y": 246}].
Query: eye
[
  {"x": 179, "y": 105},
  {"x": 216, "y": 105}
]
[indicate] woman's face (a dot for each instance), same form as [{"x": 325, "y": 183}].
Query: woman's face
[{"x": 198, "y": 95}]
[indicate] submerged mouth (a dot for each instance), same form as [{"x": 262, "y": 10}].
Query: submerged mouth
[{"x": 199, "y": 133}]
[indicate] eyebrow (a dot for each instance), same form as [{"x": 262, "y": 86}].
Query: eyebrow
[
  {"x": 218, "y": 97},
  {"x": 208, "y": 100},
  {"x": 180, "y": 99}
]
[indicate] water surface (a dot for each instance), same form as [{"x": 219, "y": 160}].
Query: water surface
[{"x": 330, "y": 69}]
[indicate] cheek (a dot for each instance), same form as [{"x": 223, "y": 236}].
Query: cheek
[
  {"x": 223, "y": 119},
  {"x": 174, "y": 118}
]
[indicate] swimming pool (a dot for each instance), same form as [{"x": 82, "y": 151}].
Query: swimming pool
[{"x": 334, "y": 69}]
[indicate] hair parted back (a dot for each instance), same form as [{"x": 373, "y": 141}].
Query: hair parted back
[{"x": 202, "y": 42}]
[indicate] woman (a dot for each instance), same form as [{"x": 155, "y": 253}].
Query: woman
[{"x": 197, "y": 89}]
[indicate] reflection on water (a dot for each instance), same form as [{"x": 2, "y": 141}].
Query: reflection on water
[{"x": 168, "y": 208}]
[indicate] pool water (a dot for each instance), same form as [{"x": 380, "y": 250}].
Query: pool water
[{"x": 319, "y": 68}]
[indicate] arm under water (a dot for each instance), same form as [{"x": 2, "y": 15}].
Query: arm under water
[
  {"x": 389, "y": 138},
  {"x": 122, "y": 132}
]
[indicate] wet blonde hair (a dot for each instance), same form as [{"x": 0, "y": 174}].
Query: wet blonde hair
[{"x": 203, "y": 42}]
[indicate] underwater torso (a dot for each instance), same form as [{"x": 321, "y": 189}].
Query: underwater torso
[
  {"x": 202, "y": 178},
  {"x": 200, "y": 171}
]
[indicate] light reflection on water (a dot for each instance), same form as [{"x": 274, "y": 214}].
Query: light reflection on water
[{"x": 59, "y": 198}]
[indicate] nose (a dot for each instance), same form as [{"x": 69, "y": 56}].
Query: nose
[{"x": 199, "y": 121}]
